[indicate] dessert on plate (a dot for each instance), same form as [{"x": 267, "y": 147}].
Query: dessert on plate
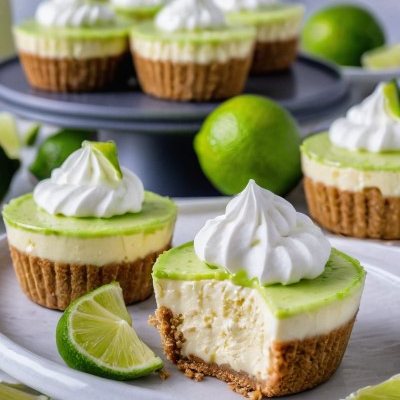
[
  {"x": 260, "y": 300},
  {"x": 352, "y": 172},
  {"x": 72, "y": 46},
  {"x": 91, "y": 223},
  {"x": 190, "y": 53},
  {"x": 278, "y": 26},
  {"x": 137, "y": 10}
]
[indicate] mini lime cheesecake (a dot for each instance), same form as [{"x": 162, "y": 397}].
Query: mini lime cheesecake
[
  {"x": 73, "y": 46},
  {"x": 189, "y": 53},
  {"x": 352, "y": 172},
  {"x": 259, "y": 300},
  {"x": 87, "y": 226},
  {"x": 278, "y": 26}
]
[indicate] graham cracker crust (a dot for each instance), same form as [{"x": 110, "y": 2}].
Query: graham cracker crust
[
  {"x": 191, "y": 81},
  {"x": 296, "y": 365},
  {"x": 364, "y": 214},
  {"x": 274, "y": 56},
  {"x": 55, "y": 285},
  {"x": 74, "y": 75}
]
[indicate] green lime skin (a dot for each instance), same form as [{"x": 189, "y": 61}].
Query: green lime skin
[
  {"x": 8, "y": 168},
  {"x": 250, "y": 137},
  {"x": 56, "y": 149},
  {"x": 342, "y": 34}
]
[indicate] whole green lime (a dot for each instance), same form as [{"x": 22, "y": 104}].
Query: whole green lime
[
  {"x": 342, "y": 34},
  {"x": 8, "y": 167},
  {"x": 250, "y": 137},
  {"x": 56, "y": 149}
]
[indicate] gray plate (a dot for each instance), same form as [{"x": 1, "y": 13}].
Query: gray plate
[{"x": 309, "y": 87}]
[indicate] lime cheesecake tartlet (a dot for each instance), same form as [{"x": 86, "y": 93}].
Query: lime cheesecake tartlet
[
  {"x": 260, "y": 300},
  {"x": 73, "y": 46},
  {"x": 278, "y": 27},
  {"x": 90, "y": 224},
  {"x": 137, "y": 10},
  {"x": 352, "y": 172},
  {"x": 189, "y": 53}
]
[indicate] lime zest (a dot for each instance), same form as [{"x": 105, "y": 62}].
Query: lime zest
[
  {"x": 107, "y": 150},
  {"x": 392, "y": 98},
  {"x": 9, "y": 137},
  {"x": 95, "y": 335}
]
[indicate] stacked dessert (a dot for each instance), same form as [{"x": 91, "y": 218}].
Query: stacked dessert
[
  {"x": 91, "y": 223},
  {"x": 352, "y": 172},
  {"x": 259, "y": 300}
]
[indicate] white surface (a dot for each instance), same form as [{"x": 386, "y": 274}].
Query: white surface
[{"x": 28, "y": 351}]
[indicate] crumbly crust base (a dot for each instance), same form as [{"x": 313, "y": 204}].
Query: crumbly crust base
[
  {"x": 55, "y": 285},
  {"x": 296, "y": 365},
  {"x": 364, "y": 214},
  {"x": 192, "y": 81},
  {"x": 74, "y": 75},
  {"x": 274, "y": 56}
]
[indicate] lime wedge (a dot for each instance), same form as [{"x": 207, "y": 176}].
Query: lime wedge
[
  {"x": 392, "y": 97},
  {"x": 95, "y": 335},
  {"x": 9, "y": 391},
  {"x": 388, "y": 390},
  {"x": 110, "y": 152},
  {"x": 31, "y": 134},
  {"x": 9, "y": 139},
  {"x": 386, "y": 57}
]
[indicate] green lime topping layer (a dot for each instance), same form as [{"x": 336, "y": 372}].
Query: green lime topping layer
[
  {"x": 148, "y": 31},
  {"x": 320, "y": 149},
  {"x": 157, "y": 213},
  {"x": 386, "y": 57},
  {"x": 31, "y": 27},
  {"x": 274, "y": 13},
  {"x": 342, "y": 276},
  {"x": 95, "y": 335}
]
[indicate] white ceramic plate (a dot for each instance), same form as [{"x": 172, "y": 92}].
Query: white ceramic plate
[{"x": 28, "y": 351}]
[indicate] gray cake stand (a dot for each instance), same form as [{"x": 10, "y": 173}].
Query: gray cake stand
[{"x": 155, "y": 136}]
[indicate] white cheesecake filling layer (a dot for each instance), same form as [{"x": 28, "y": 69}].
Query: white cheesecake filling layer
[
  {"x": 192, "y": 52},
  {"x": 280, "y": 31},
  {"x": 350, "y": 179},
  {"x": 229, "y": 324},
  {"x": 59, "y": 48},
  {"x": 93, "y": 251}
]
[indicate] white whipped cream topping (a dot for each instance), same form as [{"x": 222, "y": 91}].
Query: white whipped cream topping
[
  {"x": 264, "y": 235},
  {"x": 189, "y": 15},
  {"x": 242, "y": 5},
  {"x": 86, "y": 186},
  {"x": 368, "y": 126},
  {"x": 74, "y": 14},
  {"x": 136, "y": 3}
]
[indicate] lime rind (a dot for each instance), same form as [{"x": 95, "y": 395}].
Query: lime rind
[
  {"x": 385, "y": 57},
  {"x": 31, "y": 135},
  {"x": 100, "y": 340},
  {"x": 392, "y": 98},
  {"x": 9, "y": 137},
  {"x": 109, "y": 153}
]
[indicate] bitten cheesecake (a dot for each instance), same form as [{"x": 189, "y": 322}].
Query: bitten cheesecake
[
  {"x": 259, "y": 300},
  {"x": 352, "y": 172},
  {"x": 87, "y": 226}
]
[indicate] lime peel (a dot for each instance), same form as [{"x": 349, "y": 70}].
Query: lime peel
[{"x": 95, "y": 335}]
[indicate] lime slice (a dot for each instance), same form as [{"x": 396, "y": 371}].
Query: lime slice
[
  {"x": 386, "y": 57},
  {"x": 109, "y": 151},
  {"x": 9, "y": 139},
  {"x": 392, "y": 97},
  {"x": 388, "y": 390},
  {"x": 95, "y": 335},
  {"x": 9, "y": 391},
  {"x": 31, "y": 134}
]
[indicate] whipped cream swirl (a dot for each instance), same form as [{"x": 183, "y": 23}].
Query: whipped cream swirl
[
  {"x": 368, "y": 126},
  {"x": 74, "y": 14},
  {"x": 190, "y": 15},
  {"x": 264, "y": 235},
  {"x": 87, "y": 185},
  {"x": 243, "y": 5},
  {"x": 136, "y": 3}
]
